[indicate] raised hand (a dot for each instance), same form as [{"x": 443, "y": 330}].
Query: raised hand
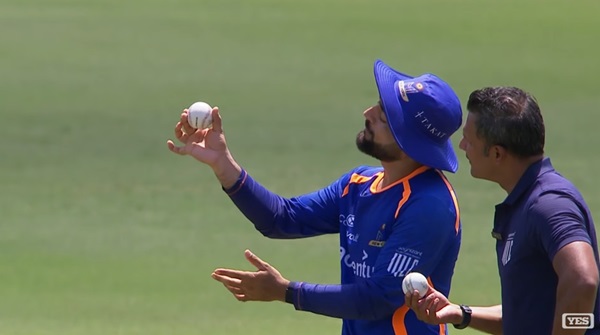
[
  {"x": 265, "y": 284},
  {"x": 206, "y": 145}
]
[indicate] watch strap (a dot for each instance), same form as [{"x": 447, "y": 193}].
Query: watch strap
[{"x": 466, "y": 314}]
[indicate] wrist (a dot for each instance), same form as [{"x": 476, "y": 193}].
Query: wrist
[
  {"x": 227, "y": 171},
  {"x": 457, "y": 315},
  {"x": 465, "y": 319},
  {"x": 282, "y": 291},
  {"x": 290, "y": 292}
]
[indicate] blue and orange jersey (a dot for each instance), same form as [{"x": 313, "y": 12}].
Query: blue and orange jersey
[{"x": 385, "y": 233}]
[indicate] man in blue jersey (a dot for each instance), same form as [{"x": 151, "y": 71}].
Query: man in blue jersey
[
  {"x": 545, "y": 237},
  {"x": 400, "y": 217}
]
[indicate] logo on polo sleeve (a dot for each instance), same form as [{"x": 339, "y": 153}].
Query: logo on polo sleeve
[{"x": 403, "y": 261}]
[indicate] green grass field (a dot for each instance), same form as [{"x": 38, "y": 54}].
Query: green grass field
[{"x": 104, "y": 231}]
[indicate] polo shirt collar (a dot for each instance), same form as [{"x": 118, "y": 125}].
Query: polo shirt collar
[{"x": 528, "y": 178}]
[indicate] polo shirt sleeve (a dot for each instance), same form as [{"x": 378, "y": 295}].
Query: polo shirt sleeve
[{"x": 558, "y": 221}]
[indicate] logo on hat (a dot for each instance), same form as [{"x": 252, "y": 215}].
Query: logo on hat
[
  {"x": 408, "y": 87},
  {"x": 428, "y": 126}
]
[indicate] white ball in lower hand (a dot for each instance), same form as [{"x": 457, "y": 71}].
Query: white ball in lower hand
[{"x": 415, "y": 281}]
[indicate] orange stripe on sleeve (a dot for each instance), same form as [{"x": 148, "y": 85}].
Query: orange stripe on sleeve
[{"x": 454, "y": 200}]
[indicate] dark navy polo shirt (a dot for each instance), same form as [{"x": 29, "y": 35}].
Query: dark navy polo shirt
[{"x": 542, "y": 214}]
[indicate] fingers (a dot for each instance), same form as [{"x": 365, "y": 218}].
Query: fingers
[
  {"x": 179, "y": 134},
  {"x": 430, "y": 289},
  {"x": 178, "y": 150},
  {"x": 237, "y": 293},
  {"x": 411, "y": 299},
  {"x": 434, "y": 307},
  {"x": 226, "y": 280},
  {"x": 233, "y": 289},
  {"x": 233, "y": 273},
  {"x": 254, "y": 260},
  {"x": 426, "y": 302},
  {"x": 216, "y": 120},
  {"x": 184, "y": 122}
]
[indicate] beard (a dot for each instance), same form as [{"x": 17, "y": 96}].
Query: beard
[{"x": 384, "y": 153}]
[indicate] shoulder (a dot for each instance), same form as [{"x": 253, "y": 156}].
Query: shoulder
[
  {"x": 554, "y": 212},
  {"x": 553, "y": 181},
  {"x": 362, "y": 172},
  {"x": 432, "y": 188},
  {"x": 365, "y": 170},
  {"x": 554, "y": 195},
  {"x": 432, "y": 208}
]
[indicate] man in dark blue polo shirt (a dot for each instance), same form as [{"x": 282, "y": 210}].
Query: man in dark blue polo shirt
[{"x": 545, "y": 237}]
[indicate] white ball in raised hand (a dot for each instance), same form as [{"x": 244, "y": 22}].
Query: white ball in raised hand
[{"x": 199, "y": 115}]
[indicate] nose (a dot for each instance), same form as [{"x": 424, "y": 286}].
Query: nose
[
  {"x": 462, "y": 144},
  {"x": 368, "y": 112}
]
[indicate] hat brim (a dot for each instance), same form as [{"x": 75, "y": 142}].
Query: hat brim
[{"x": 414, "y": 143}]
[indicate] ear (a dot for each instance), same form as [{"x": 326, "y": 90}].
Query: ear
[{"x": 499, "y": 153}]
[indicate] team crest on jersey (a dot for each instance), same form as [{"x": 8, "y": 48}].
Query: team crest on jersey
[
  {"x": 506, "y": 254},
  {"x": 378, "y": 241}
]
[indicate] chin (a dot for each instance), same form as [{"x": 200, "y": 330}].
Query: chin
[{"x": 477, "y": 175}]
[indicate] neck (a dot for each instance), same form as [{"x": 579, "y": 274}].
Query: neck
[
  {"x": 514, "y": 171},
  {"x": 394, "y": 171}
]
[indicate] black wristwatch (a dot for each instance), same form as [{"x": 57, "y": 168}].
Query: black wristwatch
[{"x": 466, "y": 313}]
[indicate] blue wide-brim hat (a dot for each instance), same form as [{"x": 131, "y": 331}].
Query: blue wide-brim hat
[{"x": 422, "y": 112}]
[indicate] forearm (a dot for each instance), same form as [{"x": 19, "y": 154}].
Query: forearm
[
  {"x": 262, "y": 207},
  {"x": 339, "y": 301},
  {"x": 573, "y": 296},
  {"x": 487, "y": 319}
]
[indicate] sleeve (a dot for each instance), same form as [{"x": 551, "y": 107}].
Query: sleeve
[
  {"x": 286, "y": 218},
  {"x": 417, "y": 242},
  {"x": 558, "y": 221}
]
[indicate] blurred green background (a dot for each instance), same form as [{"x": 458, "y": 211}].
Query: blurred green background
[{"x": 104, "y": 231}]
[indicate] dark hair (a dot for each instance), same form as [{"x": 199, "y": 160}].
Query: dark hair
[{"x": 509, "y": 117}]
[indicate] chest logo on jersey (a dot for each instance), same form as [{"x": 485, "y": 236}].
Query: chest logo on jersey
[
  {"x": 347, "y": 220},
  {"x": 360, "y": 269},
  {"x": 365, "y": 193},
  {"x": 378, "y": 241},
  {"x": 506, "y": 254}
]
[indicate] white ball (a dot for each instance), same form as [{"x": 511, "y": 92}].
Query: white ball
[
  {"x": 415, "y": 281},
  {"x": 199, "y": 115}
]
